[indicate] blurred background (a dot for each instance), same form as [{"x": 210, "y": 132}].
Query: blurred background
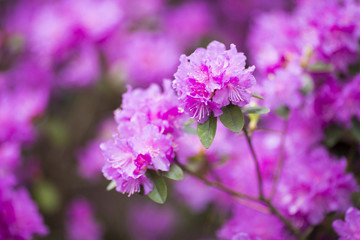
[{"x": 64, "y": 66}]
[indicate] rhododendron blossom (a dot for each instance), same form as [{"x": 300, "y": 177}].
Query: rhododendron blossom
[
  {"x": 144, "y": 138},
  {"x": 212, "y": 78}
]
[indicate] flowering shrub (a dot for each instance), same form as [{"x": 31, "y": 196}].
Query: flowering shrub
[{"x": 256, "y": 144}]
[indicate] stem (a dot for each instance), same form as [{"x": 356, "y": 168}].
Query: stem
[
  {"x": 287, "y": 223},
  {"x": 281, "y": 160},
  {"x": 256, "y": 162},
  {"x": 217, "y": 184}
]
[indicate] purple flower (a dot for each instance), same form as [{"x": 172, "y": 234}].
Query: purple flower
[
  {"x": 90, "y": 157},
  {"x": 148, "y": 221},
  {"x": 19, "y": 216},
  {"x": 149, "y": 58},
  {"x": 350, "y": 228},
  {"x": 255, "y": 224},
  {"x": 338, "y": 31},
  {"x": 314, "y": 184},
  {"x": 189, "y": 22},
  {"x": 283, "y": 88},
  {"x": 212, "y": 78},
  {"x": 9, "y": 157},
  {"x": 348, "y": 103},
  {"x": 18, "y": 107},
  {"x": 80, "y": 222},
  {"x": 147, "y": 124}
]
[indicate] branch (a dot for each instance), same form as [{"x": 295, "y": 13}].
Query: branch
[{"x": 256, "y": 162}]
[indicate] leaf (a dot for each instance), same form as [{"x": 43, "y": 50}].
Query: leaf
[
  {"x": 283, "y": 111},
  {"x": 320, "y": 67},
  {"x": 232, "y": 118},
  {"x": 355, "y": 129},
  {"x": 111, "y": 186},
  {"x": 190, "y": 130},
  {"x": 256, "y": 110},
  {"x": 258, "y": 96},
  {"x": 333, "y": 135},
  {"x": 207, "y": 131},
  {"x": 174, "y": 173},
  {"x": 159, "y": 192}
]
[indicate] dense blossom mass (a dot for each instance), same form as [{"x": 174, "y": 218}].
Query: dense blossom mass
[
  {"x": 212, "y": 78},
  {"x": 64, "y": 65},
  {"x": 147, "y": 123}
]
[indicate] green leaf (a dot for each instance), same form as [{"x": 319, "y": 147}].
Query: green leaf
[
  {"x": 111, "y": 186},
  {"x": 256, "y": 110},
  {"x": 207, "y": 131},
  {"x": 321, "y": 67},
  {"x": 174, "y": 173},
  {"x": 190, "y": 130},
  {"x": 159, "y": 192},
  {"x": 47, "y": 196},
  {"x": 333, "y": 135},
  {"x": 232, "y": 118},
  {"x": 355, "y": 129},
  {"x": 258, "y": 96},
  {"x": 283, "y": 111}
]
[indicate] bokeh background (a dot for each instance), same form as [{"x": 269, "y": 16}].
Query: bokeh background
[{"x": 64, "y": 66}]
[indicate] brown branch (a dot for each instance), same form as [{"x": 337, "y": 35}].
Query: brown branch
[
  {"x": 256, "y": 162},
  {"x": 281, "y": 160}
]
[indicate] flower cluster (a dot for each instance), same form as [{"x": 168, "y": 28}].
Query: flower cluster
[
  {"x": 147, "y": 123},
  {"x": 212, "y": 78}
]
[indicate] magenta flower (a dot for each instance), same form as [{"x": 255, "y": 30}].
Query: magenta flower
[
  {"x": 149, "y": 221},
  {"x": 90, "y": 157},
  {"x": 212, "y": 78},
  {"x": 19, "y": 216},
  {"x": 148, "y": 58},
  {"x": 350, "y": 228},
  {"x": 147, "y": 124},
  {"x": 322, "y": 187},
  {"x": 348, "y": 103},
  {"x": 80, "y": 224},
  {"x": 255, "y": 224}
]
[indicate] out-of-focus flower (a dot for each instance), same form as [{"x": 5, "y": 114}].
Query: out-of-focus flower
[
  {"x": 9, "y": 157},
  {"x": 348, "y": 103},
  {"x": 147, "y": 123},
  {"x": 189, "y": 22},
  {"x": 350, "y": 228},
  {"x": 80, "y": 222},
  {"x": 90, "y": 157},
  {"x": 78, "y": 67},
  {"x": 283, "y": 88},
  {"x": 322, "y": 187},
  {"x": 255, "y": 224},
  {"x": 19, "y": 216},
  {"x": 151, "y": 222},
  {"x": 149, "y": 58},
  {"x": 338, "y": 31},
  {"x": 211, "y": 78},
  {"x": 18, "y": 108}
]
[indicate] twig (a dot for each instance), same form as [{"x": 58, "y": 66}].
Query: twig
[
  {"x": 256, "y": 162},
  {"x": 281, "y": 160},
  {"x": 217, "y": 184}
]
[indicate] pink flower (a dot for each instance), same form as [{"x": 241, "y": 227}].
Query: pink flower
[
  {"x": 212, "y": 78},
  {"x": 147, "y": 124},
  {"x": 350, "y": 228},
  {"x": 80, "y": 222}
]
